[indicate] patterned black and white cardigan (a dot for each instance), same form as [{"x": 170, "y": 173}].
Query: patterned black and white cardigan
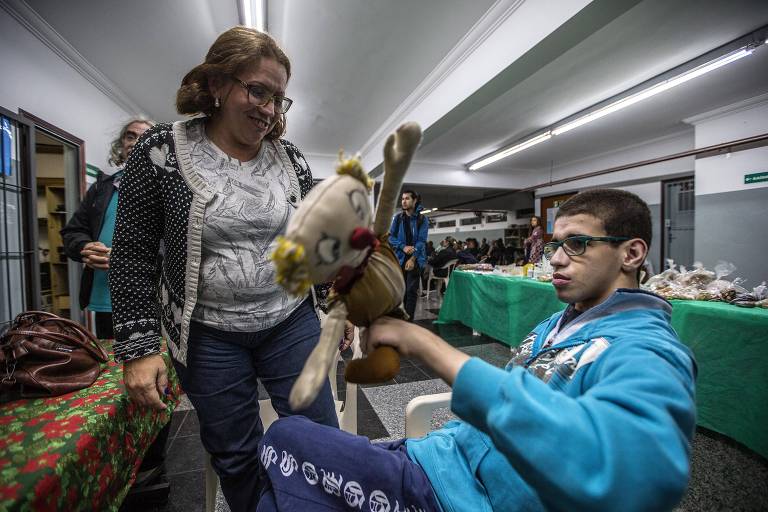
[{"x": 163, "y": 198}]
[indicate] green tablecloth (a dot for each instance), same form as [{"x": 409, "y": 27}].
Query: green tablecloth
[
  {"x": 730, "y": 345},
  {"x": 78, "y": 451},
  {"x": 731, "y": 349},
  {"x": 504, "y": 308}
]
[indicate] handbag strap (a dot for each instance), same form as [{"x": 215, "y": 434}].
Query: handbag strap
[
  {"x": 89, "y": 343},
  {"x": 31, "y": 317}
]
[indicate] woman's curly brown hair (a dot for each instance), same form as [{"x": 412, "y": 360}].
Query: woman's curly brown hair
[{"x": 233, "y": 51}]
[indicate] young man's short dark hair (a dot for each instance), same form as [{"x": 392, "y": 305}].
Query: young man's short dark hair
[
  {"x": 416, "y": 197},
  {"x": 622, "y": 213}
]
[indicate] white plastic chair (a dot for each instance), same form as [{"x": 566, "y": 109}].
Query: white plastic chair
[
  {"x": 346, "y": 412},
  {"x": 418, "y": 413},
  {"x": 432, "y": 277}
]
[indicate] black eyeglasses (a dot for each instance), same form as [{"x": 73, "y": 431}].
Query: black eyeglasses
[
  {"x": 260, "y": 96},
  {"x": 577, "y": 245}
]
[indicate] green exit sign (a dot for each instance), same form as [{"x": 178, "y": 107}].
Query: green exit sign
[{"x": 755, "y": 177}]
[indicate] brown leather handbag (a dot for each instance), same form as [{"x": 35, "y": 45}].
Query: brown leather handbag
[{"x": 44, "y": 355}]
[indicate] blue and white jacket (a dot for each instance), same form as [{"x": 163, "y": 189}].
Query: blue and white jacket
[
  {"x": 419, "y": 230},
  {"x": 600, "y": 419}
]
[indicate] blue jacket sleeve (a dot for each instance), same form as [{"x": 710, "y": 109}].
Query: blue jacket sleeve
[
  {"x": 394, "y": 237},
  {"x": 421, "y": 242},
  {"x": 621, "y": 445}
]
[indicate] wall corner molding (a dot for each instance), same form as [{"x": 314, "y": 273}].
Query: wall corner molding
[
  {"x": 733, "y": 108},
  {"x": 493, "y": 18},
  {"x": 28, "y": 18}
]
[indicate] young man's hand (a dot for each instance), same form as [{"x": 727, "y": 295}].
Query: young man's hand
[
  {"x": 409, "y": 249},
  {"x": 410, "y": 264},
  {"x": 413, "y": 341},
  {"x": 96, "y": 255},
  {"x": 349, "y": 336}
]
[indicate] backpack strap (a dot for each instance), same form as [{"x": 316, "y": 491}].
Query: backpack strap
[{"x": 399, "y": 221}]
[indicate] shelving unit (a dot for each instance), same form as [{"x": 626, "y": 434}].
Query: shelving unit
[
  {"x": 514, "y": 235},
  {"x": 58, "y": 268}
]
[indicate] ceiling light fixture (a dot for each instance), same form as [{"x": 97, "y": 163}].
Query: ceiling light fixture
[
  {"x": 254, "y": 14},
  {"x": 653, "y": 90},
  {"x": 558, "y": 129},
  {"x": 504, "y": 153}
]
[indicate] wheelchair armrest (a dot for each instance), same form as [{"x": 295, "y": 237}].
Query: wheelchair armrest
[{"x": 418, "y": 413}]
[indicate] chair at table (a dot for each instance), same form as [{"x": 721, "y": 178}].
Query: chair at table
[
  {"x": 432, "y": 277},
  {"x": 418, "y": 413},
  {"x": 346, "y": 411}
]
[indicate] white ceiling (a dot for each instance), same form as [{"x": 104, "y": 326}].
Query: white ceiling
[
  {"x": 355, "y": 63},
  {"x": 649, "y": 39}
]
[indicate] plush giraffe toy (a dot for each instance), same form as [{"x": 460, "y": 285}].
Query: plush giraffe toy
[{"x": 330, "y": 239}]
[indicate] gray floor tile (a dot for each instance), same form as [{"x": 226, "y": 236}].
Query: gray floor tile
[
  {"x": 389, "y": 402},
  {"x": 725, "y": 476},
  {"x": 184, "y": 404},
  {"x": 185, "y": 454},
  {"x": 190, "y": 427}
]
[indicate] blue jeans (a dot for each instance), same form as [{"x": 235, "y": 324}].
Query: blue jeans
[
  {"x": 412, "y": 280},
  {"x": 220, "y": 380}
]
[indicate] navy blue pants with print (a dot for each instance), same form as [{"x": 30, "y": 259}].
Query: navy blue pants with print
[
  {"x": 313, "y": 467},
  {"x": 220, "y": 380}
]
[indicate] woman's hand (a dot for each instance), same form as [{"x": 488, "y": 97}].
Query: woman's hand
[{"x": 146, "y": 380}]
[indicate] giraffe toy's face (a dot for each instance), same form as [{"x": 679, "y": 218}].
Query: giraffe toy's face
[{"x": 324, "y": 225}]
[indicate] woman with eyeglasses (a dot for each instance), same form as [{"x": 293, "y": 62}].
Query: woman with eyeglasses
[
  {"x": 217, "y": 190},
  {"x": 535, "y": 242}
]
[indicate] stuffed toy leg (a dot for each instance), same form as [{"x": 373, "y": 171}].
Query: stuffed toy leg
[{"x": 314, "y": 375}]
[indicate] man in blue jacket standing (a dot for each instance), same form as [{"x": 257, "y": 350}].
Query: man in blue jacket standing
[
  {"x": 595, "y": 411},
  {"x": 408, "y": 237}
]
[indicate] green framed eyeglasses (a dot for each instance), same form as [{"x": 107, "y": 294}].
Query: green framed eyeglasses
[
  {"x": 577, "y": 245},
  {"x": 260, "y": 96}
]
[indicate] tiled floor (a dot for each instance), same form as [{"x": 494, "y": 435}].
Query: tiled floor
[{"x": 725, "y": 476}]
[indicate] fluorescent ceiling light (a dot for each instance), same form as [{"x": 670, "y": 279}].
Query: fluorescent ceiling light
[
  {"x": 618, "y": 105},
  {"x": 261, "y": 15},
  {"x": 652, "y": 91},
  {"x": 511, "y": 151},
  {"x": 254, "y": 14}
]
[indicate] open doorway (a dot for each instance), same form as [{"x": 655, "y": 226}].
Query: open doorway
[
  {"x": 59, "y": 173},
  {"x": 55, "y": 161}
]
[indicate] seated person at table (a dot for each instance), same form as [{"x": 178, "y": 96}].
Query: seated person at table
[
  {"x": 595, "y": 411},
  {"x": 495, "y": 255},
  {"x": 440, "y": 259},
  {"x": 464, "y": 255}
]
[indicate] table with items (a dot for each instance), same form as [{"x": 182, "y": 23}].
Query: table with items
[
  {"x": 730, "y": 344},
  {"x": 78, "y": 451}
]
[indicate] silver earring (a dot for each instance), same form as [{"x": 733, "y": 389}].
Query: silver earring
[{"x": 217, "y": 103}]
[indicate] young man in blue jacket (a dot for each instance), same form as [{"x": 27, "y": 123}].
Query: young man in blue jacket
[
  {"x": 408, "y": 237},
  {"x": 595, "y": 411}
]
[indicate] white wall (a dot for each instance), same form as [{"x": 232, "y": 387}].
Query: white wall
[
  {"x": 464, "y": 231},
  {"x": 646, "y": 174},
  {"x": 40, "y": 82},
  {"x": 725, "y": 173},
  {"x": 731, "y": 215}
]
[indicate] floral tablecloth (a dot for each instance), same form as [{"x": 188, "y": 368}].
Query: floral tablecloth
[{"x": 78, "y": 451}]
